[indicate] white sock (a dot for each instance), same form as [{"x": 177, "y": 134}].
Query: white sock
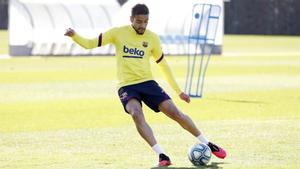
[
  {"x": 157, "y": 149},
  {"x": 203, "y": 139}
]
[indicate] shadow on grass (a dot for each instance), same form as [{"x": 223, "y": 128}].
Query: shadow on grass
[
  {"x": 213, "y": 165},
  {"x": 241, "y": 101}
]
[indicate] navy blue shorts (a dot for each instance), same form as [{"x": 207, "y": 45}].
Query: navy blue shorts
[{"x": 149, "y": 92}]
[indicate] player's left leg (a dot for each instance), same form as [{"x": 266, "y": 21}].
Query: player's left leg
[{"x": 169, "y": 109}]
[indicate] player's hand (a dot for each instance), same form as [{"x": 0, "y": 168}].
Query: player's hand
[
  {"x": 70, "y": 32},
  {"x": 185, "y": 97}
]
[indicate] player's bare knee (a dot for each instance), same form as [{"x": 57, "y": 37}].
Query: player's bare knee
[
  {"x": 137, "y": 115},
  {"x": 135, "y": 111},
  {"x": 133, "y": 108}
]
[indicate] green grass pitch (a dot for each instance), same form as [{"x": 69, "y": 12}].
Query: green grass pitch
[{"x": 64, "y": 113}]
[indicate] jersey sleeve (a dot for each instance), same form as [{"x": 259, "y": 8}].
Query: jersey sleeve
[
  {"x": 107, "y": 37},
  {"x": 163, "y": 65},
  {"x": 157, "y": 50},
  {"x": 84, "y": 42}
]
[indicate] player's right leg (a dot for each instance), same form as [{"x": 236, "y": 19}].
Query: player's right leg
[
  {"x": 131, "y": 101},
  {"x": 135, "y": 109}
]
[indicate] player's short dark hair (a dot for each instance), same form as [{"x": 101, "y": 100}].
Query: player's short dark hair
[{"x": 139, "y": 9}]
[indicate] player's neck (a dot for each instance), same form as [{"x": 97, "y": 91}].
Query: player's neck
[{"x": 137, "y": 31}]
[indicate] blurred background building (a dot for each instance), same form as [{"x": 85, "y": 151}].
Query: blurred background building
[
  {"x": 44, "y": 22},
  {"x": 265, "y": 17},
  {"x": 241, "y": 16}
]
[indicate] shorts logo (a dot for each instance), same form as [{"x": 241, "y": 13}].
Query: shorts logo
[
  {"x": 123, "y": 96},
  {"x": 145, "y": 44}
]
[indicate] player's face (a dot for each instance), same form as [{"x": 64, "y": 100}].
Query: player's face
[{"x": 139, "y": 23}]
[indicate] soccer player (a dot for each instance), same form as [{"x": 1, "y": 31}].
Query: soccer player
[{"x": 135, "y": 45}]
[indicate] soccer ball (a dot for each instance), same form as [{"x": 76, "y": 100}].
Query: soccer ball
[{"x": 199, "y": 154}]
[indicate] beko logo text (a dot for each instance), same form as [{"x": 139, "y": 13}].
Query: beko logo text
[{"x": 133, "y": 51}]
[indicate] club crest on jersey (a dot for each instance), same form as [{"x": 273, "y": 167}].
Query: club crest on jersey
[{"x": 145, "y": 44}]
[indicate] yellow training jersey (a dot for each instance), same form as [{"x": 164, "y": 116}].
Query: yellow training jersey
[{"x": 133, "y": 53}]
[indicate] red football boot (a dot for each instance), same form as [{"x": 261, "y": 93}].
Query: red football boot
[
  {"x": 217, "y": 151},
  {"x": 164, "y": 160}
]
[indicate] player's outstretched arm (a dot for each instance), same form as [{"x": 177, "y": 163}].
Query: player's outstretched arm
[
  {"x": 83, "y": 42},
  {"x": 171, "y": 80}
]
